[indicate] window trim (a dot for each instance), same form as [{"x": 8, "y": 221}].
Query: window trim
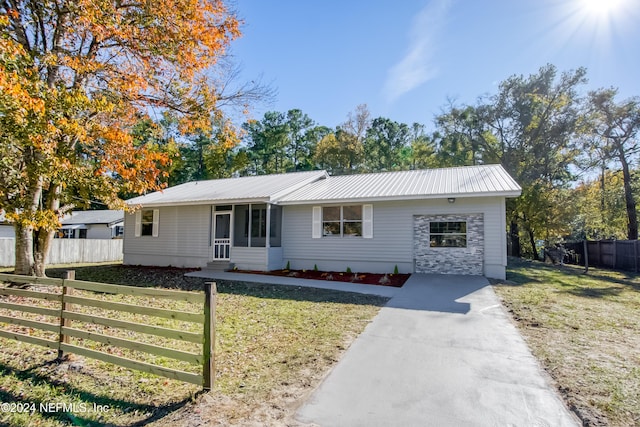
[
  {"x": 154, "y": 223},
  {"x": 366, "y": 221}
]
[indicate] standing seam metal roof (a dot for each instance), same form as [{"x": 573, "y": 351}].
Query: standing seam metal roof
[
  {"x": 484, "y": 180},
  {"x": 260, "y": 187},
  {"x": 318, "y": 186}
]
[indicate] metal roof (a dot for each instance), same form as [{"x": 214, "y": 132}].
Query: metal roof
[
  {"x": 260, "y": 188},
  {"x": 318, "y": 186},
  {"x": 93, "y": 217},
  {"x": 468, "y": 181}
]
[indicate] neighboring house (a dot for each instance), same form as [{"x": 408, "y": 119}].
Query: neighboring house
[
  {"x": 6, "y": 229},
  {"x": 434, "y": 221},
  {"x": 102, "y": 224}
]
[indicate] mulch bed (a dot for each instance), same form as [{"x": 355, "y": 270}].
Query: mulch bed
[{"x": 394, "y": 280}]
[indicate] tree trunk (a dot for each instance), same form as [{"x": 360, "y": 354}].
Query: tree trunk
[
  {"x": 24, "y": 250},
  {"x": 45, "y": 236},
  {"x": 632, "y": 214},
  {"x": 532, "y": 241},
  {"x": 24, "y": 234},
  {"x": 515, "y": 239},
  {"x": 41, "y": 252}
]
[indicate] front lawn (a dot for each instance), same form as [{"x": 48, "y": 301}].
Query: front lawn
[
  {"x": 273, "y": 344},
  {"x": 585, "y": 330}
]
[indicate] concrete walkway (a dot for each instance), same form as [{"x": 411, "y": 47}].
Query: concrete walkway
[{"x": 443, "y": 352}]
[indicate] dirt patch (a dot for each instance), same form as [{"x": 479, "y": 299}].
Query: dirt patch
[{"x": 393, "y": 280}]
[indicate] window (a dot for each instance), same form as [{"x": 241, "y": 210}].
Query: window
[
  {"x": 119, "y": 231},
  {"x": 342, "y": 221},
  {"x": 250, "y": 226},
  {"x": 83, "y": 233},
  {"x": 147, "y": 222},
  {"x": 448, "y": 234},
  {"x": 258, "y": 221},
  {"x": 67, "y": 233},
  {"x": 275, "y": 239}
]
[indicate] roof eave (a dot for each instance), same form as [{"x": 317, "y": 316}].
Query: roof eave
[
  {"x": 506, "y": 194},
  {"x": 201, "y": 202}
]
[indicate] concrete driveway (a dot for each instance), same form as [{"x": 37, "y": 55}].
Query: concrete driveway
[{"x": 442, "y": 352}]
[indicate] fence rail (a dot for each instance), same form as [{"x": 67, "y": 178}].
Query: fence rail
[
  {"x": 613, "y": 254},
  {"x": 65, "y": 315},
  {"x": 68, "y": 251}
]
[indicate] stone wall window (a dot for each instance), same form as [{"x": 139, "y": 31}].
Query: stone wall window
[{"x": 450, "y": 234}]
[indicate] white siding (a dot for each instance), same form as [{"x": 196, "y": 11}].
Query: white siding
[
  {"x": 99, "y": 231},
  {"x": 275, "y": 259},
  {"x": 249, "y": 258},
  {"x": 392, "y": 242},
  {"x": 183, "y": 238}
]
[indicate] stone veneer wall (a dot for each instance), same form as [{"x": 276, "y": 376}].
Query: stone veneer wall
[{"x": 469, "y": 260}]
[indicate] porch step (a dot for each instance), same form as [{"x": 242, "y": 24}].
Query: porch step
[{"x": 217, "y": 265}]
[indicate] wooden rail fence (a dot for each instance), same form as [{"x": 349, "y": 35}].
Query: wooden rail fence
[{"x": 63, "y": 316}]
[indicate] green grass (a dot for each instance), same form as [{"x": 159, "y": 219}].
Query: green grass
[
  {"x": 585, "y": 330},
  {"x": 272, "y": 344}
]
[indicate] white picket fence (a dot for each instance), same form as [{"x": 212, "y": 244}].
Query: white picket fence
[{"x": 68, "y": 251}]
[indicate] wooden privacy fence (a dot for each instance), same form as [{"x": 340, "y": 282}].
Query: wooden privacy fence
[
  {"x": 614, "y": 254},
  {"x": 60, "y": 309},
  {"x": 68, "y": 251}
]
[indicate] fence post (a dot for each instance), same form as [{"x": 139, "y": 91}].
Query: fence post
[
  {"x": 67, "y": 275},
  {"x": 585, "y": 242},
  {"x": 635, "y": 255},
  {"x": 209, "y": 368}
]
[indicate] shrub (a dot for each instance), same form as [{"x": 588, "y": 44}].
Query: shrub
[
  {"x": 348, "y": 269},
  {"x": 395, "y": 269}
]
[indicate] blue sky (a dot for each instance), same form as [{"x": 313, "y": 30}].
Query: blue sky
[{"x": 406, "y": 59}]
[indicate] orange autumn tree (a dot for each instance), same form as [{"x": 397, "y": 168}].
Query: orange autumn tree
[{"x": 75, "y": 76}]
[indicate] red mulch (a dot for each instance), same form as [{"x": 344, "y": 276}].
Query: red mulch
[{"x": 395, "y": 280}]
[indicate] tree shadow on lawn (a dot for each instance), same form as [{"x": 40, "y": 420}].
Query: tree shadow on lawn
[
  {"x": 569, "y": 284},
  {"x": 588, "y": 292},
  {"x": 630, "y": 280},
  {"x": 141, "y": 276},
  {"x": 77, "y": 395},
  {"x": 173, "y": 278},
  {"x": 297, "y": 293}
]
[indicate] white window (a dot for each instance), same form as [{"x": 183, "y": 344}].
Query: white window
[
  {"x": 343, "y": 221},
  {"x": 147, "y": 222}
]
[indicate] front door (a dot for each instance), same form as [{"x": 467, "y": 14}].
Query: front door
[{"x": 222, "y": 236}]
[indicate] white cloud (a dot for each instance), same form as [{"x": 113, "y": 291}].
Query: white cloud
[{"x": 417, "y": 66}]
